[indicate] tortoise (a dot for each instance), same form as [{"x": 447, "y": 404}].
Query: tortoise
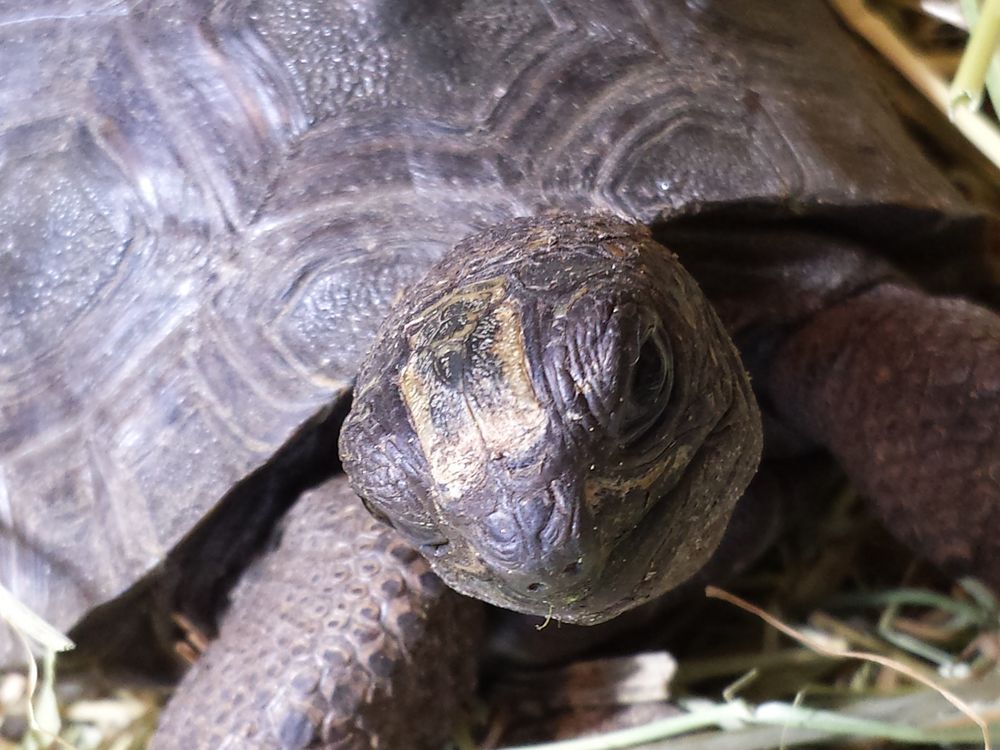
[{"x": 226, "y": 223}]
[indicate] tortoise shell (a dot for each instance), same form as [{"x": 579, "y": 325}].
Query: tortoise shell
[{"x": 206, "y": 208}]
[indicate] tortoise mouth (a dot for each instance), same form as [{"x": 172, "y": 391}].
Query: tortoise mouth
[
  {"x": 668, "y": 544},
  {"x": 637, "y": 569}
]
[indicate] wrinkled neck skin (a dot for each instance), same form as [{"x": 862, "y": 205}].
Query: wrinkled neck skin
[{"x": 556, "y": 418}]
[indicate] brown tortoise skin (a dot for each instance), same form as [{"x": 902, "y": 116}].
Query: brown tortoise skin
[
  {"x": 904, "y": 390},
  {"x": 215, "y": 202},
  {"x": 340, "y": 637},
  {"x": 557, "y": 418}
]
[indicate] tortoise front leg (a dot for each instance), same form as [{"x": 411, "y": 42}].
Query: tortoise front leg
[
  {"x": 901, "y": 386},
  {"x": 904, "y": 389},
  {"x": 340, "y": 637}
]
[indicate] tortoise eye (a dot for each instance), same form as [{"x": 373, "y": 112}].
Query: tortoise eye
[
  {"x": 645, "y": 399},
  {"x": 649, "y": 373}
]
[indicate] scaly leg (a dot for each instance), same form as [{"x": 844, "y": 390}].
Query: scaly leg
[
  {"x": 340, "y": 637},
  {"x": 904, "y": 389}
]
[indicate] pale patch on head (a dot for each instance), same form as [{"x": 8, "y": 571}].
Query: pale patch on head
[
  {"x": 597, "y": 488},
  {"x": 467, "y": 387}
]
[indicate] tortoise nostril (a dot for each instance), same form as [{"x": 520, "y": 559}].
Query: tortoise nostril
[
  {"x": 435, "y": 549},
  {"x": 535, "y": 587}
]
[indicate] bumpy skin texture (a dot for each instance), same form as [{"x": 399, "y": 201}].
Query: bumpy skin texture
[
  {"x": 206, "y": 209},
  {"x": 904, "y": 389},
  {"x": 558, "y": 417},
  {"x": 845, "y": 352},
  {"x": 340, "y": 638}
]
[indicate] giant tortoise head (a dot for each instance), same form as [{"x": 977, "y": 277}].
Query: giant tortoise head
[{"x": 556, "y": 417}]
